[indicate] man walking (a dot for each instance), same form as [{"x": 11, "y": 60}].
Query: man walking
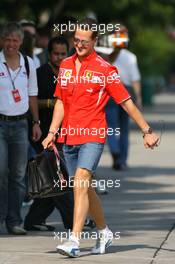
[{"x": 86, "y": 82}]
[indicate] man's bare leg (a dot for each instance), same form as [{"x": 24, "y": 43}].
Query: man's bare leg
[
  {"x": 95, "y": 208},
  {"x": 82, "y": 180},
  {"x": 85, "y": 200}
]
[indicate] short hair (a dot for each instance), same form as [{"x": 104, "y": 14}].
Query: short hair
[
  {"x": 57, "y": 40},
  {"x": 12, "y": 27},
  {"x": 88, "y": 23}
]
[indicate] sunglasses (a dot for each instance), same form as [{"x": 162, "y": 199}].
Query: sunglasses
[{"x": 83, "y": 42}]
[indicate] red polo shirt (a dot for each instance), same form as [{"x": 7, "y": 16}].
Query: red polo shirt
[{"x": 84, "y": 97}]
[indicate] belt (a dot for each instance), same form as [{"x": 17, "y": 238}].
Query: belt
[{"x": 13, "y": 118}]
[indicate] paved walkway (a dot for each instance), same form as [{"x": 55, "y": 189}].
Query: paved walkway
[{"x": 142, "y": 209}]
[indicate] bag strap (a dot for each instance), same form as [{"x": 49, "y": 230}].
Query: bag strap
[
  {"x": 26, "y": 63},
  {"x": 55, "y": 150},
  {"x": 57, "y": 155}
]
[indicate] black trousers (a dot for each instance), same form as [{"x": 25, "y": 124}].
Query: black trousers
[{"x": 42, "y": 208}]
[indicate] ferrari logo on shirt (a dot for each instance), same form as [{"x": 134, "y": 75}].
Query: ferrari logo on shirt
[{"x": 88, "y": 74}]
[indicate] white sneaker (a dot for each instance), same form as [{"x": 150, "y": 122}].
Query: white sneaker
[
  {"x": 103, "y": 242},
  {"x": 69, "y": 248}
]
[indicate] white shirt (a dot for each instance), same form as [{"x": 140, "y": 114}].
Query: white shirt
[
  {"x": 36, "y": 61},
  {"x": 26, "y": 87},
  {"x": 126, "y": 63}
]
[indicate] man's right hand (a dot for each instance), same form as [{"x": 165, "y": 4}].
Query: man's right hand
[{"x": 48, "y": 141}]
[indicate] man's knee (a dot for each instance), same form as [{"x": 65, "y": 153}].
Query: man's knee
[{"x": 82, "y": 178}]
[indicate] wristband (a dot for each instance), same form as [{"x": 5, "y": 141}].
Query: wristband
[
  {"x": 147, "y": 131},
  {"x": 36, "y": 122},
  {"x": 53, "y": 133}
]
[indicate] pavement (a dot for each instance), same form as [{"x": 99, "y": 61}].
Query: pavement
[{"x": 140, "y": 212}]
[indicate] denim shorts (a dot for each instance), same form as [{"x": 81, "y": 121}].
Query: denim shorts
[{"x": 85, "y": 156}]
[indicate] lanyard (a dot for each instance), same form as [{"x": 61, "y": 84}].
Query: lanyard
[{"x": 12, "y": 80}]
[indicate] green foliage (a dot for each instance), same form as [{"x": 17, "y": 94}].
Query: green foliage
[
  {"x": 146, "y": 20},
  {"x": 154, "y": 50}
]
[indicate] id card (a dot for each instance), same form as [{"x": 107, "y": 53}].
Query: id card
[{"x": 16, "y": 96}]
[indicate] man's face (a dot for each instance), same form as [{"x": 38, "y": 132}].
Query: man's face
[
  {"x": 58, "y": 53},
  {"x": 83, "y": 42},
  {"x": 12, "y": 43}
]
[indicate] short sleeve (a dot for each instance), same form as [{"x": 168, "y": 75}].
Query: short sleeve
[{"x": 115, "y": 87}]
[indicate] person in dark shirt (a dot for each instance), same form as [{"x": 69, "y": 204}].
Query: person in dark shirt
[{"x": 46, "y": 76}]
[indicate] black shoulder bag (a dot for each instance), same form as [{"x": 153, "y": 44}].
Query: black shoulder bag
[{"x": 47, "y": 175}]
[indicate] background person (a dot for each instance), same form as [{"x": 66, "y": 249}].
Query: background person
[
  {"x": 29, "y": 26},
  {"x": 42, "y": 40},
  {"x": 47, "y": 79},
  {"x": 17, "y": 93},
  {"x": 126, "y": 63}
]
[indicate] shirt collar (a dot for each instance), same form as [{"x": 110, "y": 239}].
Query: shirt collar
[
  {"x": 88, "y": 58},
  {"x": 3, "y": 59}
]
